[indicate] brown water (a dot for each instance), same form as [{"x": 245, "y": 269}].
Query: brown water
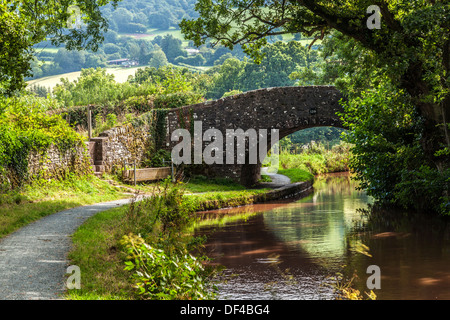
[{"x": 287, "y": 251}]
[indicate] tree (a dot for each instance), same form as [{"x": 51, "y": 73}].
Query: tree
[
  {"x": 172, "y": 47},
  {"x": 407, "y": 55},
  {"x": 197, "y": 60},
  {"x": 122, "y": 17},
  {"x": 15, "y": 51},
  {"x": 158, "y": 59},
  {"x": 407, "y": 39},
  {"x": 92, "y": 86},
  {"x": 229, "y": 79},
  {"x": 110, "y": 48},
  {"x": 70, "y": 60},
  {"x": 159, "y": 20},
  {"x": 24, "y": 23}
]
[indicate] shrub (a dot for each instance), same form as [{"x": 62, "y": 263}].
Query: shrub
[
  {"x": 25, "y": 128},
  {"x": 162, "y": 276},
  {"x": 176, "y": 100},
  {"x": 317, "y": 159},
  {"x": 159, "y": 258}
]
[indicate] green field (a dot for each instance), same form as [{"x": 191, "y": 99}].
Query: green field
[
  {"x": 153, "y": 33},
  {"x": 120, "y": 75}
]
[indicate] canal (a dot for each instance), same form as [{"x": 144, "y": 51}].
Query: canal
[{"x": 294, "y": 250}]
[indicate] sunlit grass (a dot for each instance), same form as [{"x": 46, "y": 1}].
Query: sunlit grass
[
  {"x": 317, "y": 159},
  {"x": 297, "y": 175},
  {"x": 32, "y": 202},
  {"x": 95, "y": 252},
  {"x": 203, "y": 184}
]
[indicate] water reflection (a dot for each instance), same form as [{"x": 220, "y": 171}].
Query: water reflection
[{"x": 287, "y": 250}]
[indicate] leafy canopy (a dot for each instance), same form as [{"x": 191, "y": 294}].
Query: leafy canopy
[
  {"x": 24, "y": 23},
  {"x": 414, "y": 37}
]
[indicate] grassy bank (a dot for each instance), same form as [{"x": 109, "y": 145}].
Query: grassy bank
[
  {"x": 41, "y": 198},
  {"x": 297, "y": 174},
  {"x": 317, "y": 159},
  {"x": 150, "y": 238}
]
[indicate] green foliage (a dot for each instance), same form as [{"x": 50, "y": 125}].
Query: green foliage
[
  {"x": 25, "y": 127},
  {"x": 297, "y": 175},
  {"x": 15, "y": 53},
  {"x": 160, "y": 159},
  {"x": 23, "y": 24},
  {"x": 160, "y": 276},
  {"x": 39, "y": 90},
  {"x": 172, "y": 47},
  {"x": 95, "y": 86},
  {"x": 197, "y": 60},
  {"x": 199, "y": 183},
  {"x": 231, "y": 93},
  {"x": 324, "y": 135},
  {"x": 425, "y": 183},
  {"x": 158, "y": 59},
  {"x": 388, "y": 157},
  {"x": 176, "y": 100},
  {"x": 158, "y": 14},
  {"x": 160, "y": 260},
  {"x": 317, "y": 159},
  {"x": 69, "y": 61}
]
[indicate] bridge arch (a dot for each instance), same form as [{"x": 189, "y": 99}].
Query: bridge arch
[{"x": 287, "y": 109}]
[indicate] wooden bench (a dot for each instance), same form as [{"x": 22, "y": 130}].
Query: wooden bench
[{"x": 147, "y": 174}]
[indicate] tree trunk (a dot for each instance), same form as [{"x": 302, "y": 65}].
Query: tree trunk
[{"x": 436, "y": 116}]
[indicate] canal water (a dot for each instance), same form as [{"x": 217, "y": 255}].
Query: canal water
[{"x": 294, "y": 250}]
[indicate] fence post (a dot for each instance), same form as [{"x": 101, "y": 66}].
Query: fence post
[
  {"x": 89, "y": 118},
  {"x": 134, "y": 172},
  {"x": 171, "y": 163}
]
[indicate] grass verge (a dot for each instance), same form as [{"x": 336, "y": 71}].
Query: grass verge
[
  {"x": 317, "y": 159},
  {"x": 297, "y": 175},
  {"x": 32, "y": 202},
  {"x": 95, "y": 251}
]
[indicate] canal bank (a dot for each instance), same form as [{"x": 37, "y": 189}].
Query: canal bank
[{"x": 289, "y": 191}]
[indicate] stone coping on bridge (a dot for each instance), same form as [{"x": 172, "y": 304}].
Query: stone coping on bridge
[{"x": 289, "y": 191}]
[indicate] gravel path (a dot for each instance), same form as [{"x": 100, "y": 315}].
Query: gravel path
[
  {"x": 278, "y": 180},
  {"x": 33, "y": 260}
]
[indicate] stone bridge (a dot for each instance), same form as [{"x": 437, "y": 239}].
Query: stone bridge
[{"x": 288, "y": 109}]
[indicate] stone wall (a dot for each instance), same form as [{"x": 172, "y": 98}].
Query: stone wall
[
  {"x": 112, "y": 148},
  {"x": 55, "y": 163},
  {"x": 117, "y": 145}
]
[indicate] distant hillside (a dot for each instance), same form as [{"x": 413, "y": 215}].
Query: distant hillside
[
  {"x": 133, "y": 27},
  {"x": 136, "y": 16}
]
